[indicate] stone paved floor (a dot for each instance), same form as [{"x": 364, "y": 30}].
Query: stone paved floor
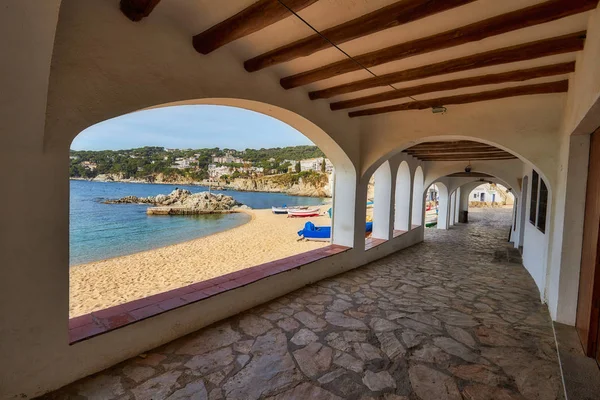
[{"x": 456, "y": 317}]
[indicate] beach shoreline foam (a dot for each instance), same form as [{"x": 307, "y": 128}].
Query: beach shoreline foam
[{"x": 265, "y": 237}]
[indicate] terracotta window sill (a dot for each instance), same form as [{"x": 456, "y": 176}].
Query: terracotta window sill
[
  {"x": 371, "y": 243},
  {"x": 102, "y": 321},
  {"x": 398, "y": 232}
]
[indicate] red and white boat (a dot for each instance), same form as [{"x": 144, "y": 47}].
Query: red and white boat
[{"x": 311, "y": 212}]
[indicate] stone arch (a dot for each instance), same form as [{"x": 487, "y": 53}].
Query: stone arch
[
  {"x": 459, "y": 166},
  {"x": 403, "y": 197},
  {"x": 418, "y": 197},
  {"x": 345, "y": 173}
]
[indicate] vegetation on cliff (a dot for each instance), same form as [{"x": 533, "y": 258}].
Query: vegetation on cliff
[{"x": 145, "y": 162}]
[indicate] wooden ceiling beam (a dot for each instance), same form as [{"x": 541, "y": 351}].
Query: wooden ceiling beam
[
  {"x": 458, "y": 144},
  {"x": 469, "y": 175},
  {"x": 395, "y": 14},
  {"x": 252, "y": 19},
  {"x": 135, "y": 10},
  {"x": 540, "y": 88},
  {"x": 470, "y": 158},
  {"x": 519, "y": 19},
  {"x": 527, "y": 51},
  {"x": 511, "y": 76},
  {"x": 417, "y": 153}
]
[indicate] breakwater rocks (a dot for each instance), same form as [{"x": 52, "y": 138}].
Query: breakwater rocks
[{"x": 184, "y": 202}]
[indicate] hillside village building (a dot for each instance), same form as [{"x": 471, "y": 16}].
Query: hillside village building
[
  {"x": 315, "y": 164},
  {"x": 227, "y": 159},
  {"x": 421, "y": 90},
  {"x": 184, "y": 163},
  {"x": 89, "y": 165}
]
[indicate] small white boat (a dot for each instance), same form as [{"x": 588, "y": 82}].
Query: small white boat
[
  {"x": 310, "y": 212},
  {"x": 284, "y": 209}
]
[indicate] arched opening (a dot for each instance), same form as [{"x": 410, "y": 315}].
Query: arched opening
[
  {"x": 152, "y": 213},
  {"x": 433, "y": 204},
  {"x": 402, "y": 212},
  {"x": 491, "y": 194},
  {"x": 418, "y": 197}
]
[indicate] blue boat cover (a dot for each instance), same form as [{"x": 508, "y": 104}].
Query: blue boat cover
[
  {"x": 323, "y": 232},
  {"x": 315, "y": 232}
]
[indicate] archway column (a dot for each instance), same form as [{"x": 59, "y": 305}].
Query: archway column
[
  {"x": 443, "y": 217},
  {"x": 457, "y": 206},
  {"x": 402, "y": 198},
  {"x": 346, "y": 191},
  {"x": 418, "y": 198},
  {"x": 382, "y": 208},
  {"x": 452, "y": 209}
]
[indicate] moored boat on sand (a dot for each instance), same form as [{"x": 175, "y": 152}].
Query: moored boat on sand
[
  {"x": 285, "y": 209},
  {"x": 311, "y": 212}
]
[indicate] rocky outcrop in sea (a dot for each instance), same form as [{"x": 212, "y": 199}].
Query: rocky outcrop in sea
[{"x": 184, "y": 202}]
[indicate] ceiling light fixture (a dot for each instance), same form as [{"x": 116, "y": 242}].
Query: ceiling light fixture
[{"x": 438, "y": 109}]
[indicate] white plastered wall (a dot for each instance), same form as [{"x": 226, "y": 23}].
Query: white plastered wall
[
  {"x": 581, "y": 118},
  {"x": 382, "y": 208},
  {"x": 102, "y": 66},
  {"x": 403, "y": 198},
  {"x": 535, "y": 250}
]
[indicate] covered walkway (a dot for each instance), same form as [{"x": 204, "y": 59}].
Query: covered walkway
[{"x": 456, "y": 314}]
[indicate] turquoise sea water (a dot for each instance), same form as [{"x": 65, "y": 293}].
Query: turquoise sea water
[{"x": 100, "y": 231}]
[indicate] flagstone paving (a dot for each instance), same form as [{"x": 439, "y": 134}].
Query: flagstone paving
[{"x": 455, "y": 317}]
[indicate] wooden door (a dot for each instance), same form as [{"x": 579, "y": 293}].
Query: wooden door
[
  {"x": 588, "y": 322},
  {"x": 598, "y": 344}
]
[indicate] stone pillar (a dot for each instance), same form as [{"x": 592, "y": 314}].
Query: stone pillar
[
  {"x": 344, "y": 209},
  {"x": 443, "y": 206},
  {"x": 403, "y": 195},
  {"x": 452, "y": 208},
  {"x": 382, "y": 208},
  {"x": 418, "y": 198}
]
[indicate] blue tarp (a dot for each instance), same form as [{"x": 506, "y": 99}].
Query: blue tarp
[{"x": 311, "y": 231}]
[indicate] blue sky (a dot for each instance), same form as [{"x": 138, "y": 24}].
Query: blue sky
[{"x": 193, "y": 127}]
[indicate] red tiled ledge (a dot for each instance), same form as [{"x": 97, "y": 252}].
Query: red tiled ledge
[
  {"x": 373, "y": 242},
  {"x": 102, "y": 321},
  {"x": 398, "y": 232}
]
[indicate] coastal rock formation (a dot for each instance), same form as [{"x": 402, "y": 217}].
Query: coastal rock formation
[
  {"x": 181, "y": 201},
  {"x": 319, "y": 186}
]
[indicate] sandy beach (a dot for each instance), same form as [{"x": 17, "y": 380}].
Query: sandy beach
[{"x": 265, "y": 238}]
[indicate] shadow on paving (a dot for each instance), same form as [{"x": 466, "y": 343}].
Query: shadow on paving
[{"x": 454, "y": 317}]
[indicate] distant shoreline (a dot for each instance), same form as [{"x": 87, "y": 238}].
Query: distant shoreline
[{"x": 215, "y": 187}]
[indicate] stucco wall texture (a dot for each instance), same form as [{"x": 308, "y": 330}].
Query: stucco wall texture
[{"x": 70, "y": 64}]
